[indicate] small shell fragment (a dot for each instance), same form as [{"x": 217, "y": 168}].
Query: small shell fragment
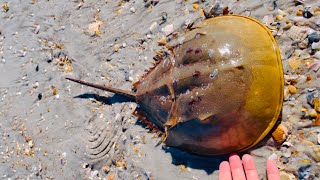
[
  {"x": 68, "y": 68},
  {"x": 195, "y": 6},
  {"x": 314, "y": 152},
  {"x": 267, "y": 20},
  {"x": 94, "y": 28},
  {"x": 54, "y": 92},
  {"x": 5, "y": 7},
  {"x": 294, "y": 63},
  {"x": 317, "y": 121},
  {"x": 132, "y": 9},
  {"x": 279, "y": 17},
  {"x": 280, "y": 134},
  {"x": 168, "y": 29},
  {"x": 282, "y": 13},
  {"x": 153, "y": 27},
  {"x": 37, "y": 29},
  {"x": 286, "y": 176},
  {"x": 299, "y": 13},
  {"x": 317, "y": 104},
  {"x": 313, "y": 113},
  {"x": 116, "y": 47},
  {"x": 297, "y": 33},
  {"x": 292, "y": 89},
  {"x": 162, "y": 41}
]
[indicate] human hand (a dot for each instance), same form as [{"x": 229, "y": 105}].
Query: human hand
[{"x": 245, "y": 170}]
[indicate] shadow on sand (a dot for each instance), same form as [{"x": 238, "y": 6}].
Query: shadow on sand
[{"x": 106, "y": 100}]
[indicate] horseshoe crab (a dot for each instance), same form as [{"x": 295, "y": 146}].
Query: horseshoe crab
[{"x": 219, "y": 91}]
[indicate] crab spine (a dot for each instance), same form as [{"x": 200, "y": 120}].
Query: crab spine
[{"x": 127, "y": 94}]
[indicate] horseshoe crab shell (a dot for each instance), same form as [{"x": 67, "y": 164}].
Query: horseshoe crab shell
[{"x": 219, "y": 91}]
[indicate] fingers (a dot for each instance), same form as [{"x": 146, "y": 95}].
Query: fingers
[
  {"x": 236, "y": 167},
  {"x": 224, "y": 171},
  {"x": 249, "y": 167},
  {"x": 272, "y": 170}
]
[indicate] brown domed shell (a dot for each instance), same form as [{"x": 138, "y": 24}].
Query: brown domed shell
[{"x": 219, "y": 91}]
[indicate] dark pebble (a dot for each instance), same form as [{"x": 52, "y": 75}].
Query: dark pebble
[
  {"x": 307, "y": 14},
  {"x": 304, "y": 172},
  {"x": 37, "y": 68},
  {"x": 126, "y": 76},
  {"x": 285, "y": 160},
  {"x": 275, "y": 5},
  {"x": 313, "y": 37},
  {"x": 164, "y": 17},
  {"x": 39, "y": 96},
  {"x": 310, "y": 98}
]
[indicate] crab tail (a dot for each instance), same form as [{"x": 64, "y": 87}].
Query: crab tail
[{"x": 127, "y": 94}]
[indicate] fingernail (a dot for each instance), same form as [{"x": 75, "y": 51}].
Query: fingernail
[{"x": 233, "y": 154}]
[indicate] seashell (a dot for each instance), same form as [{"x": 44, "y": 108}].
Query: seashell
[
  {"x": 168, "y": 29},
  {"x": 315, "y": 65},
  {"x": 282, "y": 13},
  {"x": 195, "y": 6},
  {"x": 304, "y": 44},
  {"x": 315, "y": 45},
  {"x": 299, "y": 13},
  {"x": 153, "y": 27},
  {"x": 279, "y": 17},
  {"x": 162, "y": 41},
  {"x": 316, "y": 104},
  {"x": 297, "y": 33},
  {"x": 305, "y": 56},
  {"x": 287, "y": 144},
  {"x": 268, "y": 19},
  {"x": 291, "y": 77},
  {"x": 132, "y": 9},
  {"x": 280, "y": 32},
  {"x": 54, "y": 91},
  {"x": 37, "y": 29},
  {"x": 287, "y": 154},
  {"x": 94, "y": 28},
  {"x": 188, "y": 95},
  {"x": 308, "y": 62},
  {"x": 298, "y": 52},
  {"x": 286, "y": 94},
  {"x": 116, "y": 47},
  {"x": 313, "y": 113},
  {"x": 286, "y": 176},
  {"x": 294, "y": 63},
  {"x": 317, "y": 20},
  {"x": 5, "y": 7},
  {"x": 280, "y": 134},
  {"x": 314, "y": 152},
  {"x": 317, "y": 121},
  {"x": 292, "y": 89}
]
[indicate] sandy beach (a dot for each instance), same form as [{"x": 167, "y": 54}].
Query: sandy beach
[{"x": 51, "y": 128}]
